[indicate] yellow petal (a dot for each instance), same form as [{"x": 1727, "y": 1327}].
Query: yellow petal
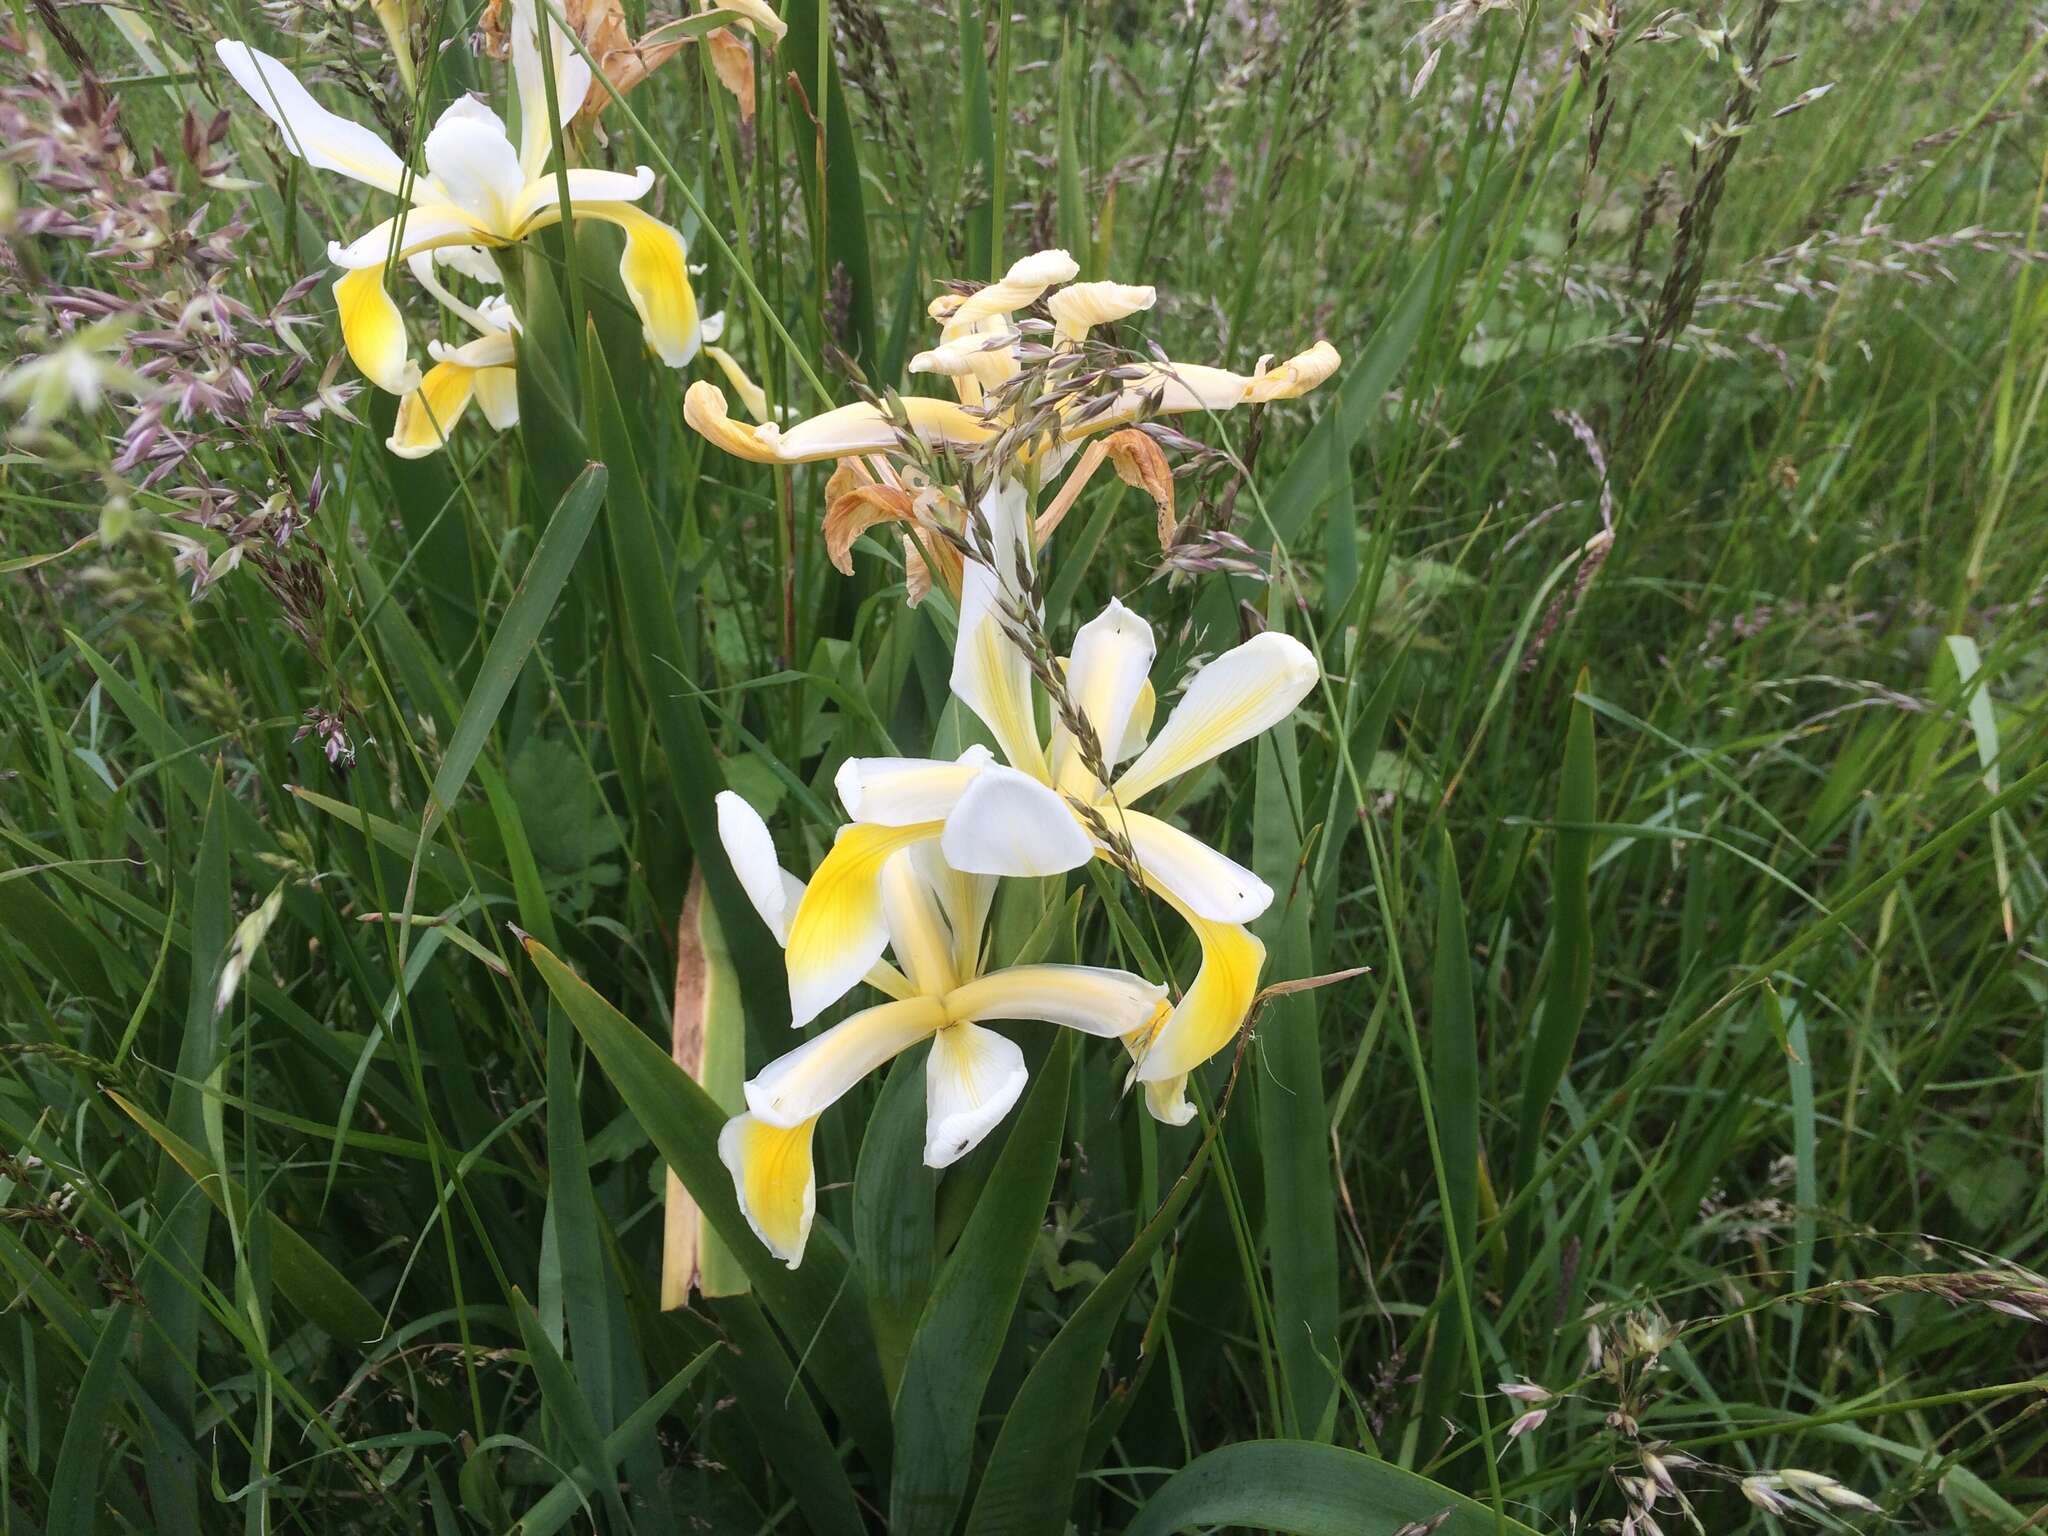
[
  {"x": 1297, "y": 376},
  {"x": 429, "y": 413},
  {"x": 1027, "y": 278},
  {"x": 1208, "y": 1015},
  {"x": 802, "y": 1084},
  {"x": 656, "y": 272},
  {"x": 838, "y": 931},
  {"x": 918, "y": 935},
  {"x": 775, "y": 1179},
  {"x": 373, "y": 331}
]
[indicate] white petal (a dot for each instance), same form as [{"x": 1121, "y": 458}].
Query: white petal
[
  {"x": 752, "y": 853},
  {"x": 1112, "y": 658},
  {"x": 1010, "y": 824},
  {"x": 1168, "y": 1101},
  {"x": 990, "y": 674},
  {"x": 1027, "y": 278},
  {"x": 1248, "y": 689},
  {"x": 918, "y": 935},
  {"x": 1090, "y": 998},
  {"x": 572, "y": 82},
  {"x": 816, "y": 1075},
  {"x": 971, "y": 1079},
  {"x": 495, "y": 351},
  {"x": 327, "y": 142},
  {"x": 477, "y": 167},
  {"x": 900, "y": 791},
  {"x": 423, "y": 228},
  {"x": 1212, "y": 886},
  {"x": 544, "y": 193}
]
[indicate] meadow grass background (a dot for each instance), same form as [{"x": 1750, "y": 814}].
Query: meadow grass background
[{"x": 1672, "y": 542}]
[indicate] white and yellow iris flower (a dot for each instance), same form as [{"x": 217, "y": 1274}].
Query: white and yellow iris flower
[
  {"x": 979, "y": 350},
  {"x": 479, "y": 188},
  {"x": 932, "y": 919},
  {"x": 1044, "y": 810}
]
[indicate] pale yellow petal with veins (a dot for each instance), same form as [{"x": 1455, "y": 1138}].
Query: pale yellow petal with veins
[
  {"x": 1079, "y": 307},
  {"x": 1027, "y": 278},
  {"x": 752, "y": 396},
  {"x": 704, "y": 409}
]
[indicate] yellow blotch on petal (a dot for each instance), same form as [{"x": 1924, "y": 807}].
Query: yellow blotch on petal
[
  {"x": 775, "y": 1179},
  {"x": 373, "y": 330},
  {"x": 1208, "y": 1016},
  {"x": 837, "y": 930},
  {"x": 656, "y": 273},
  {"x": 429, "y": 413}
]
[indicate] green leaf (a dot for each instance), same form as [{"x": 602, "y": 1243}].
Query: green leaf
[
  {"x": 579, "y": 1246},
  {"x": 559, "y": 1505},
  {"x": 892, "y": 1214},
  {"x": 171, "y": 1283},
  {"x": 309, "y": 1282},
  {"x": 1028, "y": 1486},
  {"x": 1308, "y": 1490},
  {"x": 781, "y": 1414},
  {"x": 969, "y": 1313},
  {"x": 75, "y": 1489},
  {"x": 546, "y": 574},
  {"x": 1570, "y": 979},
  {"x": 819, "y": 1304},
  {"x": 1454, "y": 1098},
  {"x": 807, "y": 48},
  {"x": 1294, "y": 1148},
  {"x": 565, "y": 1401}
]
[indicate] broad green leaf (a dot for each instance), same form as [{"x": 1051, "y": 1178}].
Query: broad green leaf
[
  {"x": 1570, "y": 978},
  {"x": 309, "y": 1282},
  {"x": 893, "y": 1216},
  {"x": 559, "y": 1505},
  {"x": 782, "y": 1415},
  {"x": 1454, "y": 1098},
  {"x": 969, "y": 1313},
  {"x": 1028, "y": 1487},
  {"x": 75, "y": 1490},
  {"x": 567, "y": 1403},
  {"x": 1308, "y": 1490},
  {"x": 819, "y": 1303},
  {"x": 1287, "y": 1074},
  {"x": 546, "y": 574}
]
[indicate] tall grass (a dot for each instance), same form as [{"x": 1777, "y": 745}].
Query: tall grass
[{"x": 1670, "y": 545}]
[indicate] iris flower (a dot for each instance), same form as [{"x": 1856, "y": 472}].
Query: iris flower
[
  {"x": 981, "y": 350},
  {"x": 932, "y": 917},
  {"x": 479, "y": 188},
  {"x": 1052, "y": 806}
]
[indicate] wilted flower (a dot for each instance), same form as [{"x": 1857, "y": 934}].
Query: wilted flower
[{"x": 1031, "y": 396}]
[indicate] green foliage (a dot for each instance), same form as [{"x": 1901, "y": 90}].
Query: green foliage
[{"x": 1677, "y": 772}]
